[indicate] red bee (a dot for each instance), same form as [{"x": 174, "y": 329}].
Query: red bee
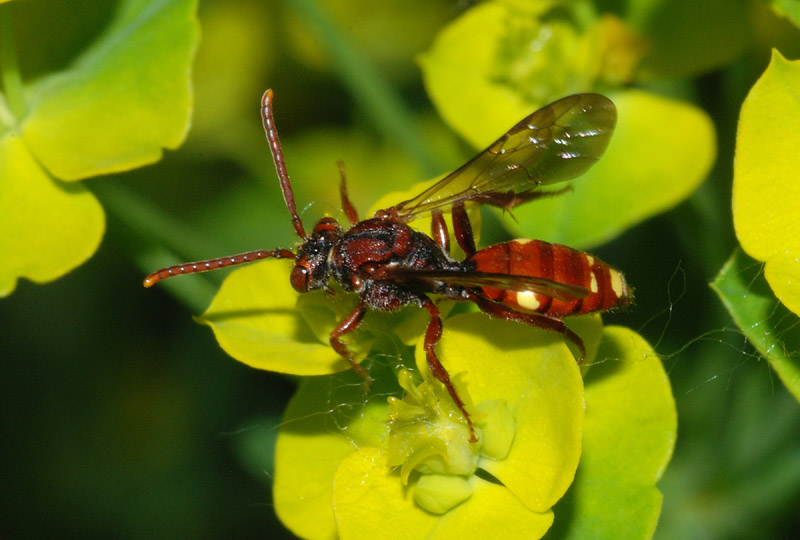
[{"x": 390, "y": 265}]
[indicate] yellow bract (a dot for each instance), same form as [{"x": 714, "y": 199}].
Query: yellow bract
[
  {"x": 766, "y": 188},
  {"x": 113, "y": 109},
  {"x": 45, "y": 229},
  {"x": 494, "y": 65},
  {"x": 261, "y": 326},
  {"x": 414, "y": 477}
]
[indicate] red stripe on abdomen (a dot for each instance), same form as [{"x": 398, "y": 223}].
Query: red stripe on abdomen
[{"x": 605, "y": 286}]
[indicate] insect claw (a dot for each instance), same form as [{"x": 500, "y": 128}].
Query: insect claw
[
  {"x": 511, "y": 214},
  {"x": 358, "y": 368}
]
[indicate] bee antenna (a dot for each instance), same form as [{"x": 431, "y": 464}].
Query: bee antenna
[
  {"x": 280, "y": 164},
  {"x": 215, "y": 264}
]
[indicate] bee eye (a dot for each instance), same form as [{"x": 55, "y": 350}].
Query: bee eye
[{"x": 299, "y": 278}]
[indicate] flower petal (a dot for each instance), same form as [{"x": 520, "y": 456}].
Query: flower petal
[
  {"x": 370, "y": 502},
  {"x": 534, "y": 372},
  {"x": 325, "y": 421},
  {"x": 766, "y": 187},
  {"x": 261, "y": 326},
  {"x": 628, "y": 438},
  {"x": 47, "y": 228},
  {"x": 127, "y": 97}
]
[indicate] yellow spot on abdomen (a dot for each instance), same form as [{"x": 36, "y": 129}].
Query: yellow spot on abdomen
[
  {"x": 593, "y": 283},
  {"x": 617, "y": 283},
  {"x": 528, "y": 300}
]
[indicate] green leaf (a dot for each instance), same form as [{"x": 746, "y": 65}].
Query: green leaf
[
  {"x": 628, "y": 437},
  {"x": 766, "y": 182},
  {"x": 790, "y": 9},
  {"x": 771, "y": 328},
  {"x": 367, "y": 24},
  {"x": 123, "y": 100},
  {"x": 372, "y": 169},
  {"x": 688, "y": 37},
  {"x": 330, "y": 419},
  {"x": 331, "y": 446},
  {"x": 226, "y": 92}
]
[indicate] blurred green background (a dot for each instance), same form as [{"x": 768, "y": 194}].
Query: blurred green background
[{"x": 122, "y": 418}]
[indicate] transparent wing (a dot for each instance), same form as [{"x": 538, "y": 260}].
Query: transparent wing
[
  {"x": 547, "y": 287},
  {"x": 558, "y": 142}
]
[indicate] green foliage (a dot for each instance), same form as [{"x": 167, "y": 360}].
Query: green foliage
[
  {"x": 769, "y": 326},
  {"x": 261, "y": 326},
  {"x": 789, "y": 9},
  {"x": 688, "y": 38},
  {"x": 113, "y": 109},
  {"x": 767, "y": 220},
  {"x": 144, "y": 418}
]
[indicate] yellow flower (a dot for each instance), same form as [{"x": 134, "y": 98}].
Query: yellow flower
[{"x": 355, "y": 466}]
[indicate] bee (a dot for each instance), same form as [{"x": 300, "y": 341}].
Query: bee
[{"x": 390, "y": 265}]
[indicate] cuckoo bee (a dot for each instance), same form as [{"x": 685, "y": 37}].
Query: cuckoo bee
[{"x": 390, "y": 265}]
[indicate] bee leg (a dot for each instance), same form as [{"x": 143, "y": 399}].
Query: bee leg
[
  {"x": 439, "y": 231},
  {"x": 462, "y": 228},
  {"x": 537, "y": 320},
  {"x": 348, "y": 324},
  {"x": 349, "y": 210},
  {"x": 432, "y": 336}
]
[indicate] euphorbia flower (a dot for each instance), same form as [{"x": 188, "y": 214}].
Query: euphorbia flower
[{"x": 352, "y": 467}]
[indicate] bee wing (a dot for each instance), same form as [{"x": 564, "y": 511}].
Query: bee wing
[
  {"x": 547, "y": 287},
  {"x": 558, "y": 142}
]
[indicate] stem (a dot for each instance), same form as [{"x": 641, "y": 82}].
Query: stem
[
  {"x": 381, "y": 103},
  {"x": 155, "y": 240},
  {"x": 10, "y": 77}
]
